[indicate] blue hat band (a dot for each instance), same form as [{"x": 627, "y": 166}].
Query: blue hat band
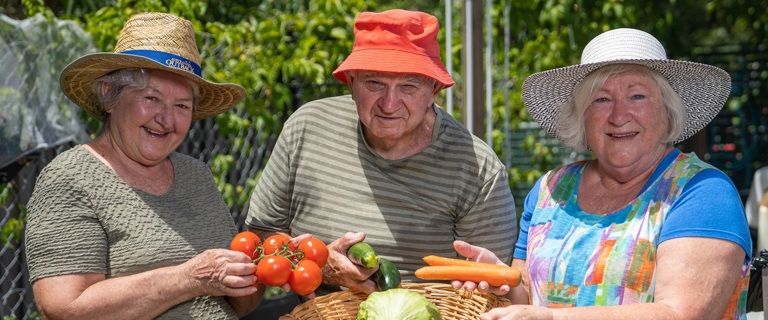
[{"x": 168, "y": 59}]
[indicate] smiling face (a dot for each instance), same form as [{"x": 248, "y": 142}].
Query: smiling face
[
  {"x": 394, "y": 108},
  {"x": 148, "y": 124},
  {"x": 626, "y": 121}
]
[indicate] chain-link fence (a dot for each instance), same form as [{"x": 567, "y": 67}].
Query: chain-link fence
[{"x": 36, "y": 122}]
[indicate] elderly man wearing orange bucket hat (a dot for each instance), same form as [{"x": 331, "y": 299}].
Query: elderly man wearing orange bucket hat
[
  {"x": 123, "y": 227},
  {"x": 385, "y": 165}
]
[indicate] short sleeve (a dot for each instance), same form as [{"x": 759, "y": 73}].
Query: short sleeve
[
  {"x": 521, "y": 247},
  {"x": 63, "y": 233},
  {"x": 709, "y": 206}
]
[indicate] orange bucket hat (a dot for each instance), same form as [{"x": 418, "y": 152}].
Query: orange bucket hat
[{"x": 397, "y": 41}]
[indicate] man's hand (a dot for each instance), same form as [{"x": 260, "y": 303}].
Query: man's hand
[{"x": 341, "y": 271}]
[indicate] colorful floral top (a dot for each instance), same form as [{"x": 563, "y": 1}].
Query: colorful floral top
[{"x": 576, "y": 258}]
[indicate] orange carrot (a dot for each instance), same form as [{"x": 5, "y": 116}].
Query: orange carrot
[
  {"x": 443, "y": 261},
  {"x": 495, "y": 275}
]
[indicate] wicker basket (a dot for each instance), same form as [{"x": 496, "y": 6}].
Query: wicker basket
[{"x": 453, "y": 304}]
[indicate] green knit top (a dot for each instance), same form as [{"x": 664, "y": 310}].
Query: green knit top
[{"x": 84, "y": 219}]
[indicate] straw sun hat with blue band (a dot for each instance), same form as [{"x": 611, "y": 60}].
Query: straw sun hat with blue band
[{"x": 153, "y": 41}]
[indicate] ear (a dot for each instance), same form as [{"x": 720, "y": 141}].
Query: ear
[
  {"x": 104, "y": 90},
  {"x": 437, "y": 88},
  {"x": 350, "y": 80}
]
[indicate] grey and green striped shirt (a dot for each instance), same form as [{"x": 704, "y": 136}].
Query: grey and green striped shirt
[{"x": 322, "y": 178}]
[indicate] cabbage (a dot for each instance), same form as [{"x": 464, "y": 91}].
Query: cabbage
[{"x": 397, "y": 304}]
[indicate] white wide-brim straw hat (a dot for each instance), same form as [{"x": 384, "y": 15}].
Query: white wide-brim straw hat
[
  {"x": 154, "y": 41},
  {"x": 703, "y": 88}
]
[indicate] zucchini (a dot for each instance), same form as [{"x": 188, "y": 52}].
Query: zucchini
[
  {"x": 362, "y": 254},
  {"x": 387, "y": 277}
]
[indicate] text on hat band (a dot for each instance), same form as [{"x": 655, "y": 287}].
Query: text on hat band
[{"x": 168, "y": 59}]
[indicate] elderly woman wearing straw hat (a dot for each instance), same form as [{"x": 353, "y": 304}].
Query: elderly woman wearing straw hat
[
  {"x": 123, "y": 227},
  {"x": 385, "y": 164},
  {"x": 642, "y": 231}
]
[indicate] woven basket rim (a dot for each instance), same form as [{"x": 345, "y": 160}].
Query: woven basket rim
[{"x": 453, "y": 304}]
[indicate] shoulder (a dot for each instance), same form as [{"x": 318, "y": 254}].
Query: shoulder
[
  {"x": 456, "y": 140},
  {"x": 331, "y": 106},
  {"x": 185, "y": 164},
  {"x": 692, "y": 162},
  {"x": 688, "y": 170},
  {"x": 335, "y": 116},
  {"x": 557, "y": 173},
  {"x": 73, "y": 155},
  {"x": 72, "y": 162}
]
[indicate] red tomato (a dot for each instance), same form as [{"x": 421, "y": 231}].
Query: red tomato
[
  {"x": 275, "y": 243},
  {"x": 306, "y": 277},
  {"x": 246, "y": 242},
  {"x": 314, "y": 250},
  {"x": 274, "y": 270}
]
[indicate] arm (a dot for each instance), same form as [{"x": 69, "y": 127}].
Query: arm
[
  {"x": 214, "y": 272},
  {"x": 696, "y": 278}
]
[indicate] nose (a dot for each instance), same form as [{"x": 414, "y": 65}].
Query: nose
[
  {"x": 164, "y": 115},
  {"x": 619, "y": 113},
  {"x": 389, "y": 100}
]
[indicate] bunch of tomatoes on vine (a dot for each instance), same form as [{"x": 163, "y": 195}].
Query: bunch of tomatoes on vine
[{"x": 279, "y": 262}]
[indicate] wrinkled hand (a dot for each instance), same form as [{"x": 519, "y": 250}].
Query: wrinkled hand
[
  {"x": 220, "y": 272},
  {"x": 341, "y": 271},
  {"x": 518, "y": 312},
  {"x": 478, "y": 254}
]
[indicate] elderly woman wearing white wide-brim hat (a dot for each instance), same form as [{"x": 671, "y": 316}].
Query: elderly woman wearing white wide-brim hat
[
  {"x": 641, "y": 231},
  {"x": 123, "y": 227}
]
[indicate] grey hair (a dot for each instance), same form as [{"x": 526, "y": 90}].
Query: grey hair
[
  {"x": 571, "y": 123},
  {"x": 136, "y": 78},
  {"x": 355, "y": 73}
]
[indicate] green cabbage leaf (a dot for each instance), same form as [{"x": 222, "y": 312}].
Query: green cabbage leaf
[{"x": 397, "y": 304}]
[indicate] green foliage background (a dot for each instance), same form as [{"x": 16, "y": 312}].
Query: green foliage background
[{"x": 269, "y": 45}]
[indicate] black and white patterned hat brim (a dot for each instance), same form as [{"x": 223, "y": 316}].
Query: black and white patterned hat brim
[{"x": 703, "y": 88}]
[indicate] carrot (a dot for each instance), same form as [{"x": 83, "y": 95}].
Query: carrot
[
  {"x": 443, "y": 261},
  {"x": 494, "y": 275}
]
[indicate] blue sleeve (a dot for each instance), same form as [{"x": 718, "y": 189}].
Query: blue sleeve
[
  {"x": 521, "y": 247},
  {"x": 710, "y": 207}
]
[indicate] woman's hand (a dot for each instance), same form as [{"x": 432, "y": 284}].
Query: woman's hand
[
  {"x": 478, "y": 254},
  {"x": 518, "y": 312},
  {"x": 341, "y": 271},
  {"x": 221, "y": 272}
]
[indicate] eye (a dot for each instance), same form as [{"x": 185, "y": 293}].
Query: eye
[
  {"x": 638, "y": 96},
  {"x": 373, "y": 85},
  {"x": 183, "y": 106},
  {"x": 601, "y": 100},
  {"x": 409, "y": 88}
]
